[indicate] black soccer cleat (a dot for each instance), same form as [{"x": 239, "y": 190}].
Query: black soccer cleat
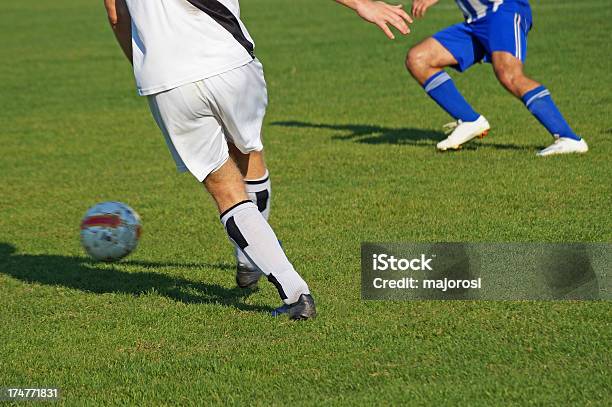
[
  {"x": 246, "y": 277},
  {"x": 303, "y": 308}
]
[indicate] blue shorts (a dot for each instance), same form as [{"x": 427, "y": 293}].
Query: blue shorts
[{"x": 503, "y": 30}]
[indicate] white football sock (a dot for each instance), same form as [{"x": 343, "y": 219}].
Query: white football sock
[
  {"x": 260, "y": 193},
  {"x": 248, "y": 230}
]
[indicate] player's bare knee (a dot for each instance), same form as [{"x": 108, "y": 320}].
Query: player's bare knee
[
  {"x": 227, "y": 195},
  {"x": 417, "y": 60},
  {"x": 225, "y": 185}
]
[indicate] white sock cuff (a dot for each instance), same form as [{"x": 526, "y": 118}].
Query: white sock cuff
[
  {"x": 254, "y": 185},
  {"x": 239, "y": 207},
  {"x": 436, "y": 80}
]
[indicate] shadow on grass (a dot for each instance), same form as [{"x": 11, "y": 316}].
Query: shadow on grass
[
  {"x": 371, "y": 134},
  {"x": 83, "y": 274}
]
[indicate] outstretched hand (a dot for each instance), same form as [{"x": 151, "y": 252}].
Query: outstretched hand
[
  {"x": 383, "y": 14},
  {"x": 419, "y": 7}
]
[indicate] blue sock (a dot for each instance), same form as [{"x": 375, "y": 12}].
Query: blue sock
[
  {"x": 441, "y": 88},
  {"x": 541, "y": 105}
]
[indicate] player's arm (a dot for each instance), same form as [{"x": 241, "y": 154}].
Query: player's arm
[
  {"x": 381, "y": 14},
  {"x": 121, "y": 23},
  {"x": 419, "y": 7}
]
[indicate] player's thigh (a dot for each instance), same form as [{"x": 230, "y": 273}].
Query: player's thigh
[
  {"x": 504, "y": 63},
  {"x": 507, "y": 32},
  {"x": 240, "y": 100},
  {"x": 193, "y": 134},
  {"x": 460, "y": 42}
]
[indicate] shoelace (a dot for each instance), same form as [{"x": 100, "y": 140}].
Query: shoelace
[
  {"x": 450, "y": 127},
  {"x": 558, "y": 140}
]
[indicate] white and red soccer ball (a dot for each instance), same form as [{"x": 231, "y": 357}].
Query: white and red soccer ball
[{"x": 110, "y": 231}]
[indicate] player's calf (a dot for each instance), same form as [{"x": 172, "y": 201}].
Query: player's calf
[
  {"x": 509, "y": 72},
  {"x": 537, "y": 99},
  {"x": 249, "y": 231},
  {"x": 247, "y": 228},
  {"x": 426, "y": 62},
  {"x": 259, "y": 190}
]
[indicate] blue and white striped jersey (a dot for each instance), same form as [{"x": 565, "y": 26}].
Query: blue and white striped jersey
[{"x": 476, "y": 9}]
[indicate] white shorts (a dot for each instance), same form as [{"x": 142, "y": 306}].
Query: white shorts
[{"x": 200, "y": 118}]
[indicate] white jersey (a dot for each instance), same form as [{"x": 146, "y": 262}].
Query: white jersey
[
  {"x": 176, "y": 42},
  {"x": 474, "y": 10}
]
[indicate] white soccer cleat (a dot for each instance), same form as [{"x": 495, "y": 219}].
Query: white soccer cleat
[
  {"x": 564, "y": 145},
  {"x": 462, "y": 132}
]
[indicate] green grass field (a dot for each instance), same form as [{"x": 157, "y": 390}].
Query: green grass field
[{"x": 351, "y": 149}]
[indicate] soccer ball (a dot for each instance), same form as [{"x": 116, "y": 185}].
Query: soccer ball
[{"x": 110, "y": 231}]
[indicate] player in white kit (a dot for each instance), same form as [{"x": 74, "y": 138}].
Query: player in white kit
[{"x": 194, "y": 60}]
